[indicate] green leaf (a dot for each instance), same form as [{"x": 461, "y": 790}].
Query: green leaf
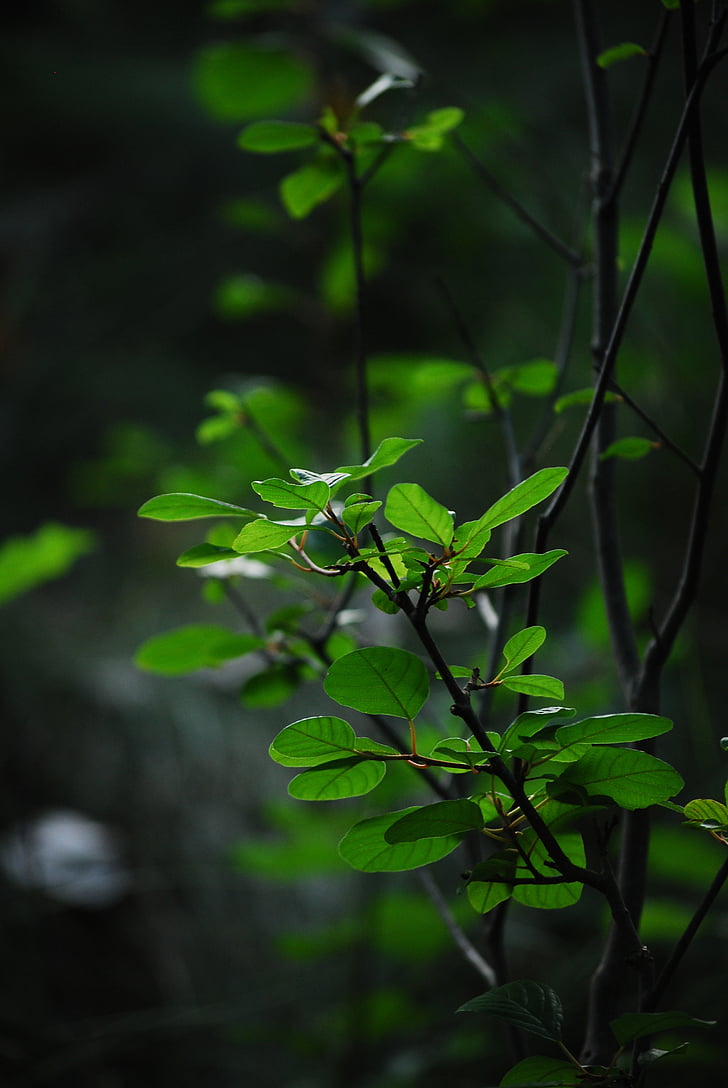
[
  {"x": 535, "y": 378},
  {"x": 539, "y": 1070},
  {"x": 261, "y": 535},
  {"x": 273, "y": 136},
  {"x": 365, "y": 846},
  {"x": 270, "y": 687},
  {"x": 379, "y": 680},
  {"x": 282, "y": 493},
  {"x": 201, "y": 555},
  {"x": 436, "y": 820},
  {"x": 238, "y": 298},
  {"x": 429, "y": 136},
  {"x": 335, "y": 780},
  {"x": 541, "y": 687},
  {"x": 535, "y": 565},
  {"x": 309, "y": 186},
  {"x": 631, "y": 778},
  {"x": 522, "y": 645},
  {"x": 629, "y": 449},
  {"x": 311, "y": 741},
  {"x": 526, "y": 1005},
  {"x": 358, "y": 515},
  {"x": 620, "y": 52},
  {"x": 182, "y": 507},
  {"x": 238, "y": 81},
  {"x": 613, "y": 729},
  {"x": 523, "y": 497},
  {"x": 410, "y": 508},
  {"x": 712, "y": 815},
  {"x": 29, "y": 561},
  {"x": 199, "y": 646},
  {"x": 637, "y": 1025},
  {"x": 582, "y": 397},
  {"x": 388, "y": 452}
]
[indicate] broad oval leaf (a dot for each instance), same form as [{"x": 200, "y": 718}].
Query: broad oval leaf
[
  {"x": 311, "y": 741},
  {"x": 631, "y": 778},
  {"x": 522, "y": 645},
  {"x": 197, "y": 646},
  {"x": 179, "y": 506},
  {"x": 434, "y": 821},
  {"x": 540, "y": 687},
  {"x": 358, "y": 515},
  {"x": 523, "y": 497},
  {"x": 379, "y": 680},
  {"x": 273, "y": 136},
  {"x": 707, "y": 813},
  {"x": 201, "y": 555},
  {"x": 535, "y": 565},
  {"x": 387, "y": 453},
  {"x": 240, "y": 80},
  {"x": 410, "y": 508},
  {"x": 260, "y": 535},
  {"x": 526, "y": 1005},
  {"x": 341, "y": 778},
  {"x": 290, "y": 496},
  {"x": 365, "y": 847},
  {"x": 613, "y": 729}
]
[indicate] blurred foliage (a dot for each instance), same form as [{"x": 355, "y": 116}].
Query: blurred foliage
[{"x": 146, "y": 260}]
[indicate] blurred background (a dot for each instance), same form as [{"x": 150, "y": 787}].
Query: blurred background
[{"x": 168, "y": 915}]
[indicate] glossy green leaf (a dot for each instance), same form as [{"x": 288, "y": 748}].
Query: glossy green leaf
[
  {"x": 29, "y": 561},
  {"x": 274, "y": 136},
  {"x": 182, "y": 507},
  {"x": 531, "y": 723},
  {"x": 522, "y": 645},
  {"x": 238, "y": 81},
  {"x": 379, "y": 680},
  {"x": 311, "y": 741},
  {"x": 535, "y": 565},
  {"x": 201, "y": 555},
  {"x": 540, "y": 687},
  {"x": 542, "y": 1071},
  {"x": 365, "y": 847},
  {"x": 359, "y": 514},
  {"x": 199, "y": 646},
  {"x": 335, "y": 780},
  {"x": 388, "y": 452},
  {"x": 614, "y": 729},
  {"x": 523, "y": 497},
  {"x": 526, "y": 1005},
  {"x": 620, "y": 52},
  {"x": 639, "y": 1025},
  {"x": 469, "y": 540},
  {"x": 411, "y": 509},
  {"x": 712, "y": 815},
  {"x": 260, "y": 535},
  {"x": 436, "y": 820},
  {"x": 290, "y": 496},
  {"x": 629, "y": 449},
  {"x": 631, "y": 778},
  {"x": 309, "y": 186}
]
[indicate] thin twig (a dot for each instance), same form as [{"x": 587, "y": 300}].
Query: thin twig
[
  {"x": 652, "y": 423},
  {"x": 570, "y": 255},
  {"x": 466, "y": 946}
]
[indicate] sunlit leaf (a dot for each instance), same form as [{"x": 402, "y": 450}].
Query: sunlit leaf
[
  {"x": 629, "y": 449},
  {"x": 379, "y": 680},
  {"x": 260, "y": 535},
  {"x": 614, "y": 729},
  {"x": 410, "y": 508},
  {"x": 337, "y": 779},
  {"x": 270, "y": 687},
  {"x": 522, "y": 645},
  {"x": 311, "y": 741},
  {"x": 535, "y": 565},
  {"x": 707, "y": 813},
  {"x": 632, "y": 778},
  {"x": 523, "y": 497},
  {"x": 365, "y": 847},
  {"x": 387, "y": 453},
  {"x": 540, "y": 687},
  {"x": 582, "y": 397},
  {"x": 182, "y": 507},
  {"x": 290, "y": 496},
  {"x": 237, "y": 81},
  {"x": 201, "y": 555},
  {"x": 310, "y": 185}
]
